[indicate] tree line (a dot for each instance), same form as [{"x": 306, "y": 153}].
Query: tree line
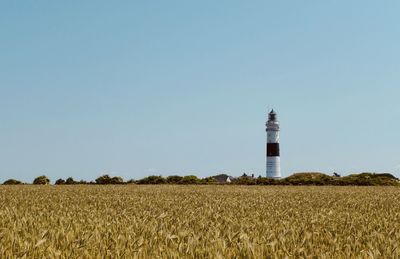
[
  {"x": 44, "y": 180},
  {"x": 366, "y": 179},
  {"x": 106, "y": 179}
]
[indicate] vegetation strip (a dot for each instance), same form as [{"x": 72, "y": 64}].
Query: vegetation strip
[{"x": 363, "y": 179}]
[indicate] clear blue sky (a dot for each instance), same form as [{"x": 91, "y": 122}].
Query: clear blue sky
[{"x": 134, "y": 88}]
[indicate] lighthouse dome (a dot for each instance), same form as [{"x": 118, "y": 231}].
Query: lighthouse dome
[{"x": 272, "y": 116}]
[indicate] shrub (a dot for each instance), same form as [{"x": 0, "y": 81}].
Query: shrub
[
  {"x": 245, "y": 180},
  {"x": 106, "y": 179},
  {"x": 70, "y": 181},
  {"x": 312, "y": 178},
  {"x": 190, "y": 179},
  {"x": 208, "y": 180},
  {"x": 116, "y": 180},
  {"x": 387, "y": 175},
  {"x": 174, "y": 179},
  {"x": 12, "y": 182},
  {"x": 370, "y": 179},
  {"x": 363, "y": 179},
  {"x": 265, "y": 181},
  {"x": 60, "y": 181},
  {"x": 153, "y": 179},
  {"x": 41, "y": 180}
]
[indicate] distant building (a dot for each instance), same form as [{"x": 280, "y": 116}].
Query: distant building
[{"x": 223, "y": 178}]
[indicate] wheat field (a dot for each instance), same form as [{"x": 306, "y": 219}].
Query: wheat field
[{"x": 133, "y": 221}]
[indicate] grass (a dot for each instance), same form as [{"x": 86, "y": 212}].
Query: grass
[{"x": 199, "y": 221}]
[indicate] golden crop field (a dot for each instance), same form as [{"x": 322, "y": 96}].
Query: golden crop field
[{"x": 133, "y": 221}]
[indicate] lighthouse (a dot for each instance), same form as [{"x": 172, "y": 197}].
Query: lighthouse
[{"x": 273, "y": 154}]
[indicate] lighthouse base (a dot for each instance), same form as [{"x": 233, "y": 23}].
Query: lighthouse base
[{"x": 273, "y": 167}]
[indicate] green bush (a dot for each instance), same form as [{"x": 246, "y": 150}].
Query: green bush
[
  {"x": 174, "y": 179},
  {"x": 208, "y": 180},
  {"x": 60, "y": 181},
  {"x": 312, "y": 178},
  {"x": 116, "y": 180},
  {"x": 190, "y": 179},
  {"x": 245, "y": 180},
  {"x": 363, "y": 179},
  {"x": 153, "y": 179},
  {"x": 12, "y": 182},
  {"x": 70, "y": 181},
  {"x": 106, "y": 179},
  {"x": 41, "y": 180},
  {"x": 266, "y": 181},
  {"x": 369, "y": 179}
]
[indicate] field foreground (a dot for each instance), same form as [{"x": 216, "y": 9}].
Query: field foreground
[{"x": 199, "y": 221}]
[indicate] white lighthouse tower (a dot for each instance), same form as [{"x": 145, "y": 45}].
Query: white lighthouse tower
[{"x": 273, "y": 154}]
